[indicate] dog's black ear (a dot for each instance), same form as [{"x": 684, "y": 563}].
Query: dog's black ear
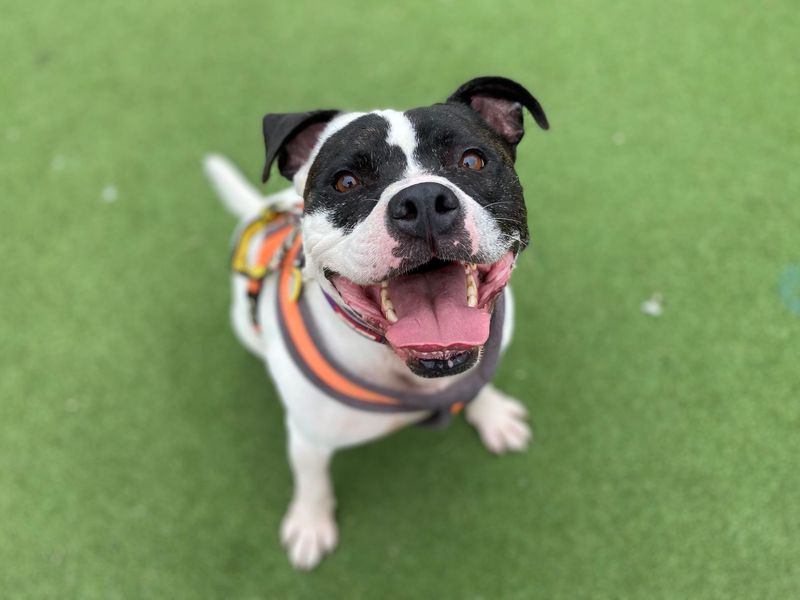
[
  {"x": 290, "y": 137},
  {"x": 499, "y": 101}
]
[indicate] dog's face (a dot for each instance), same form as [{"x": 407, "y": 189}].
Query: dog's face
[{"x": 413, "y": 219}]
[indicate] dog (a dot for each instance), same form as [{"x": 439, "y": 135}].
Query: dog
[{"x": 374, "y": 288}]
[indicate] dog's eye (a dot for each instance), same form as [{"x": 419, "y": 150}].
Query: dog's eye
[
  {"x": 472, "y": 160},
  {"x": 346, "y": 181}
]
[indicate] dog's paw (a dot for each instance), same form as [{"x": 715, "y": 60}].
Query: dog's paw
[
  {"x": 308, "y": 534},
  {"x": 501, "y": 421}
]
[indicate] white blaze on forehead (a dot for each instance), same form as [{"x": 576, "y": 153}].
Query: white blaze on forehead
[{"x": 402, "y": 134}]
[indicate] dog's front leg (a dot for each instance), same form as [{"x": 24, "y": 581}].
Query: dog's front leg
[
  {"x": 501, "y": 421},
  {"x": 309, "y": 531}
]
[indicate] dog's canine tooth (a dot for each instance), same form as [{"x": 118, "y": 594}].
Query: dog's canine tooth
[
  {"x": 472, "y": 291},
  {"x": 384, "y": 284},
  {"x": 386, "y": 305},
  {"x": 386, "y": 302}
]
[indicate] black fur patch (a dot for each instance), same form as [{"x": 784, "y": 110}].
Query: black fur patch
[
  {"x": 361, "y": 148},
  {"x": 444, "y": 133}
]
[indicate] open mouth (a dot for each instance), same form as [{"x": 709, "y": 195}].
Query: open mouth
[{"x": 435, "y": 317}]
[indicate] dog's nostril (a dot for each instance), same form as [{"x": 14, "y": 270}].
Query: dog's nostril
[
  {"x": 445, "y": 203},
  {"x": 405, "y": 210}
]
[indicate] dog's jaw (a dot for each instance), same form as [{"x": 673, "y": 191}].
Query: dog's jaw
[{"x": 435, "y": 317}]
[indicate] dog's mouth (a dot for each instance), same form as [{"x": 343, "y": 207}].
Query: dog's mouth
[{"x": 436, "y": 317}]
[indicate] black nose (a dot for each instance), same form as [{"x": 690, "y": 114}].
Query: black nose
[{"x": 424, "y": 210}]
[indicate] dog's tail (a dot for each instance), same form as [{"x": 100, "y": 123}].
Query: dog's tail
[{"x": 237, "y": 194}]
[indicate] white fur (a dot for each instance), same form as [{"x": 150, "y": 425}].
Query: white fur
[
  {"x": 317, "y": 424},
  {"x": 402, "y": 134}
]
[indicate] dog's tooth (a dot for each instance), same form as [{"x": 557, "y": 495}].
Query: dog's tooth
[
  {"x": 391, "y": 316},
  {"x": 386, "y": 304},
  {"x": 384, "y": 284},
  {"x": 472, "y": 292}
]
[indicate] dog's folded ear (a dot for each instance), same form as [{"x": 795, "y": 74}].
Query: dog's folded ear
[
  {"x": 499, "y": 101},
  {"x": 290, "y": 137}
]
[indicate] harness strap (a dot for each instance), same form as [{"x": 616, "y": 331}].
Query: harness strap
[{"x": 305, "y": 350}]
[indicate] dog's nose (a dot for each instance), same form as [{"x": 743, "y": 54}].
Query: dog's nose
[{"x": 424, "y": 210}]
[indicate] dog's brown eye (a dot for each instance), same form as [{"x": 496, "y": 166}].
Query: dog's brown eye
[
  {"x": 346, "y": 181},
  {"x": 472, "y": 160}
]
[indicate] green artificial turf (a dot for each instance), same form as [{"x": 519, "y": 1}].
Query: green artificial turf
[{"x": 141, "y": 448}]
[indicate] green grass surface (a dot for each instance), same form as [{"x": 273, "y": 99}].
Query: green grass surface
[{"x": 141, "y": 449}]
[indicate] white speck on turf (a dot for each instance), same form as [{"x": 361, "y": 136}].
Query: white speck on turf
[
  {"x": 109, "y": 194},
  {"x": 653, "y": 306},
  {"x": 57, "y": 556},
  {"x": 618, "y": 138}
]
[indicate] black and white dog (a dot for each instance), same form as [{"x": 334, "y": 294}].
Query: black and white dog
[{"x": 411, "y": 224}]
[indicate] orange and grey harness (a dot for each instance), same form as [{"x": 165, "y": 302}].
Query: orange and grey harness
[{"x": 272, "y": 243}]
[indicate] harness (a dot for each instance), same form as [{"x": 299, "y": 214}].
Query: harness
[{"x": 272, "y": 243}]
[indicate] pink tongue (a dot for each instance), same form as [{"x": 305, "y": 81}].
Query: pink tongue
[{"x": 433, "y": 312}]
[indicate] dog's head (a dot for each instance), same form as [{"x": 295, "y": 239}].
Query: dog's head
[{"x": 413, "y": 219}]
